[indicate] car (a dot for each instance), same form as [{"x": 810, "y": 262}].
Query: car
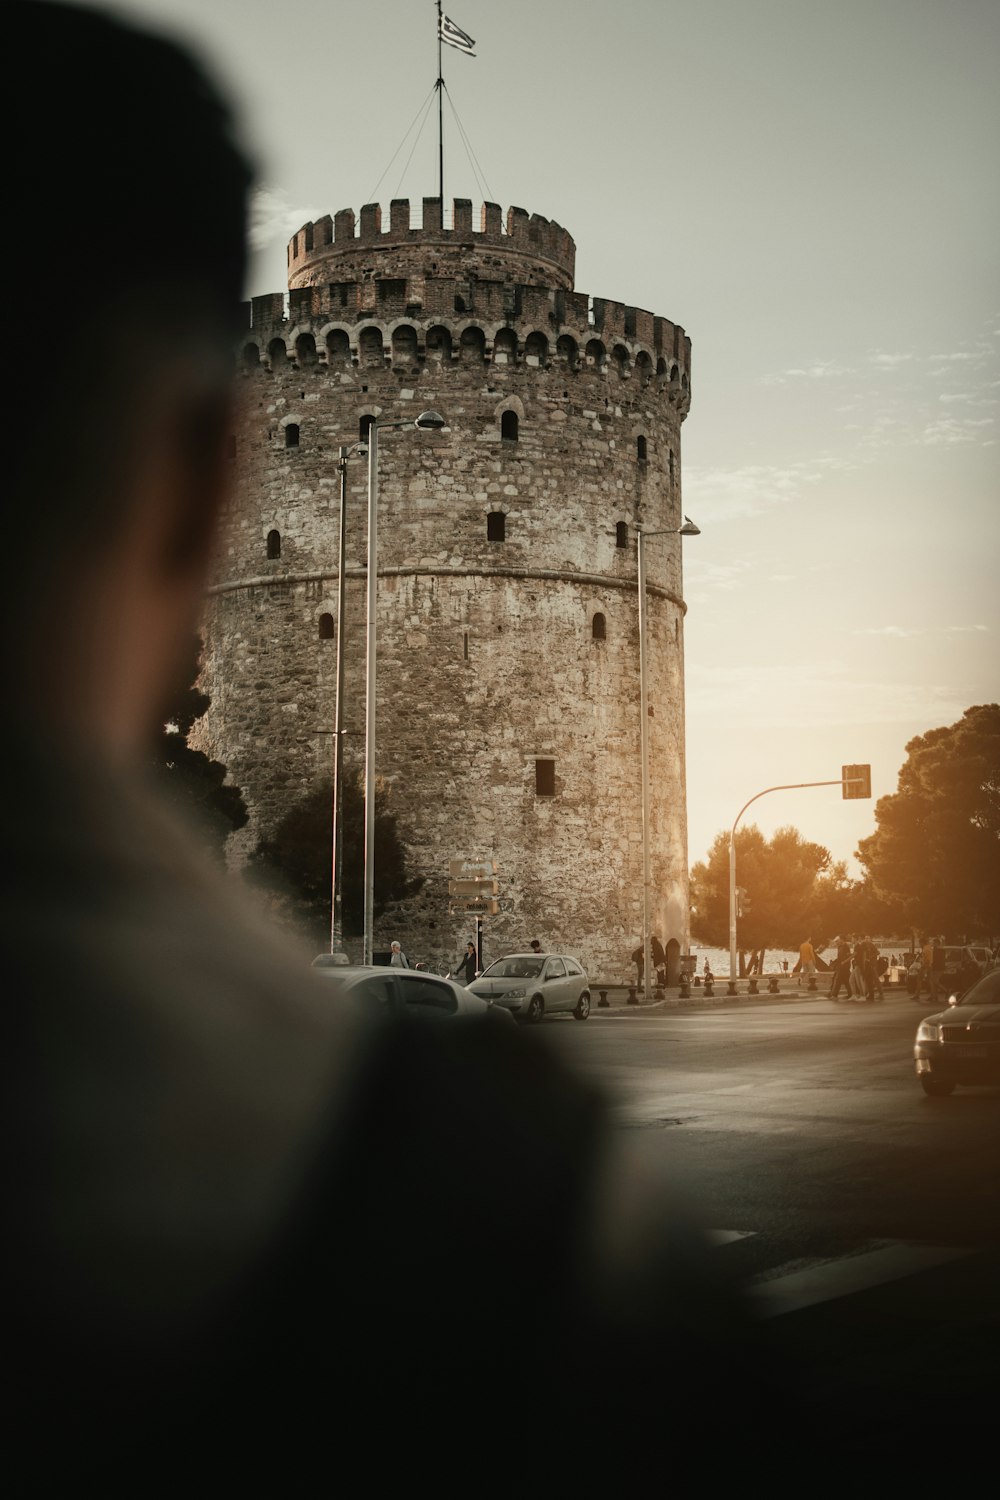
[
  {"x": 534, "y": 985},
  {"x": 958, "y": 967},
  {"x": 410, "y": 992},
  {"x": 961, "y": 1044}
]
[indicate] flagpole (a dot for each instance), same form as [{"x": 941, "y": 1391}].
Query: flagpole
[{"x": 440, "y": 89}]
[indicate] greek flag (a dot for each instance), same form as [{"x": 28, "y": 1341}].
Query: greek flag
[{"x": 455, "y": 36}]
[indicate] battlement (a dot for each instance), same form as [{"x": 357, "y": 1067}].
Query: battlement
[{"x": 521, "y": 247}]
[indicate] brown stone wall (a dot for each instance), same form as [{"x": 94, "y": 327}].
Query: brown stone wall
[{"x": 486, "y": 649}]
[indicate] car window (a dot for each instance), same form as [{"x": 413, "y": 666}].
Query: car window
[
  {"x": 555, "y": 969},
  {"x": 372, "y": 992},
  {"x": 518, "y": 967},
  {"x": 428, "y": 997},
  {"x": 572, "y": 967},
  {"x": 985, "y": 991}
]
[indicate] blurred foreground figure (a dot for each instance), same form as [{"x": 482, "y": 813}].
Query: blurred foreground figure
[{"x": 243, "y": 1232}]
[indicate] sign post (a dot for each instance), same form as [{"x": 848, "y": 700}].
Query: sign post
[{"x": 474, "y": 888}]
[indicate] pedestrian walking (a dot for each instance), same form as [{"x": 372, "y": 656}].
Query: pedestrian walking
[
  {"x": 841, "y": 969},
  {"x": 638, "y": 958},
  {"x": 659, "y": 959},
  {"x": 398, "y": 959},
  {"x": 807, "y": 957},
  {"x": 467, "y": 966}
]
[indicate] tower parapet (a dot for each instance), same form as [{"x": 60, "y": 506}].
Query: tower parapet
[{"x": 521, "y": 247}]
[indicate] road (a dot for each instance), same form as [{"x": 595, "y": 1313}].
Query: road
[{"x": 862, "y": 1218}]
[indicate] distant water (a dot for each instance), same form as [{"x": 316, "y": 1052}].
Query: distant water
[{"x": 774, "y": 958}]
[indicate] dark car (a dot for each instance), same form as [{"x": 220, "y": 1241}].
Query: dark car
[{"x": 961, "y": 1044}]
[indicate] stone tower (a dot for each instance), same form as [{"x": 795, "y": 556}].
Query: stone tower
[{"x": 508, "y": 683}]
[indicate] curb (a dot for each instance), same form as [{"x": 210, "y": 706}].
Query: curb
[{"x": 619, "y": 1006}]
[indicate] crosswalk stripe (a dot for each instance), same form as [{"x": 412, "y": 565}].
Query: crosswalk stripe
[{"x": 824, "y": 1281}]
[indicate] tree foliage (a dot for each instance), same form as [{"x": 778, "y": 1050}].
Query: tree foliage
[
  {"x": 298, "y": 856},
  {"x": 191, "y": 782},
  {"x": 791, "y": 889},
  {"x": 936, "y": 847}
]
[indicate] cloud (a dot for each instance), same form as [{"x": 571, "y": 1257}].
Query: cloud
[
  {"x": 889, "y": 361},
  {"x": 274, "y": 217},
  {"x": 946, "y": 431},
  {"x": 822, "y": 369},
  {"x": 964, "y": 629},
  {"x": 810, "y": 694},
  {"x": 905, "y": 632},
  {"x": 899, "y": 631},
  {"x": 726, "y": 494}
]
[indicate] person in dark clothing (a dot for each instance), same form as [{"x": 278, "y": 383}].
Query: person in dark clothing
[
  {"x": 467, "y": 966},
  {"x": 241, "y": 1220},
  {"x": 658, "y": 958},
  {"x": 841, "y": 969}
]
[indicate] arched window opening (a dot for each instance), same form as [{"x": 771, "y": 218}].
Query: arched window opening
[
  {"x": 273, "y": 544},
  {"x": 621, "y": 534},
  {"x": 599, "y": 628},
  {"x": 370, "y": 348},
  {"x": 643, "y": 368},
  {"x": 505, "y": 347},
  {"x": 567, "y": 351},
  {"x": 438, "y": 344},
  {"x": 641, "y": 450},
  {"x": 291, "y": 434},
  {"x": 305, "y": 350},
  {"x": 472, "y": 345},
  {"x": 597, "y": 355},
  {"x": 508, "y": 427},
  {"x": 404, "y": 346},
  {"x": 536, "y": 349},
  {"x": 496, "y": 526},
  {"x": 251, "y": 356},
  {"x": 277, "y": 354},
  {"x": 619, "y": 355},
  {"x": 326, "y": 627},
  {"x": 338, "y": 347}
]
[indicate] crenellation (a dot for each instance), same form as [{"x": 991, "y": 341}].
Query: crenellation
[{"x": 371, "y": 221}]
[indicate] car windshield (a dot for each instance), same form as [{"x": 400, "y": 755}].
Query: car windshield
[
  {"x": 985, "y": 991},
  {"x": 518, "y": 967}
]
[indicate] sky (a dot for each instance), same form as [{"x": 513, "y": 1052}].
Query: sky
[{"x": 811, "y": 190}]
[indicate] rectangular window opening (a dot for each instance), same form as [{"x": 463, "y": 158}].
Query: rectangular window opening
[{"x": 545, "y": 778}]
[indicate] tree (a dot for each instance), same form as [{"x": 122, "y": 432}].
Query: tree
[
  {"x": 936, "y": 846},
  {"x": 298, "y": 857},
  {"x": 787, "y": 882},
  {"x": 193, "y": 783}
]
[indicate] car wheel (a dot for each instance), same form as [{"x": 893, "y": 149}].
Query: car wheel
[
  {"x": 536, "y": 1009},
  {"x": 582, "y": 1010},
  {"x": 937, "y": 1088}
]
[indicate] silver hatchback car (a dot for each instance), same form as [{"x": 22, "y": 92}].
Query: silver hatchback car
[{"x": 534, "y": 985}]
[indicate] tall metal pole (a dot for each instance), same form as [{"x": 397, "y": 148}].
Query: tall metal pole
[
  {"x": 644, "y": 754},
  {"x": 372, "y": 595},
  {"x": 337, "y": 862},
  {"x": 440, "y": 89}
]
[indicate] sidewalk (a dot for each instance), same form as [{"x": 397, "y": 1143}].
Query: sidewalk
[{"x": 789, "y": 988}]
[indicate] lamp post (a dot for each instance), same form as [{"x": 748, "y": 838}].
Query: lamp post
[
  {"x": 429, "y": 421},
  {"x": 337, "y": 862},
  {"x": 688, "y": 529}
]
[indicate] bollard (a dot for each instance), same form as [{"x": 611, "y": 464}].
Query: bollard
[
  {"x": 697, "y": 981},
  {"x": 812, "y": 983},
  {"x": 731, "y": 987},
  {"x": 685, "y": 989},
  {"x": 709, "y": 988},
  {"x": 658, "y": 992},
  {"x": 754, "y": 990},
  {"x": 602, "y": 1004},
  {"x": 633, "y": 998},
  {"x": 772, "y": 985}
]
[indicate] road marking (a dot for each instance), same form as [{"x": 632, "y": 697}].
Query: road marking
[
  {"x": 827, "y": 1280},
  {"x": 727, "y": 1236}
]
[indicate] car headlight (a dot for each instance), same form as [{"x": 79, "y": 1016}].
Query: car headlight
[
  {"x": 928, "y": 1032},
  {"x": 512, "y": 995}
]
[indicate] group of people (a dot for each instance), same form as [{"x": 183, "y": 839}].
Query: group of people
[
  {"x": 855, "y": 970},
  {"x": 657, "y": 957}
]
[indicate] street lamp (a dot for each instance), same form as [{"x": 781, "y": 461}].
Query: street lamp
[
  {"x": 337, "y": 862},
  {"x": 688, "y": 529},
  {"x": 428, "y": 421}
]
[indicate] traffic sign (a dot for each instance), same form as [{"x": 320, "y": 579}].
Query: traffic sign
[
  {"x": 856, "y": 781},
  {"x": 488, "y": 887},
  {"x": 471, "y": 869},
  {"x": 487, "y": 906}
]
